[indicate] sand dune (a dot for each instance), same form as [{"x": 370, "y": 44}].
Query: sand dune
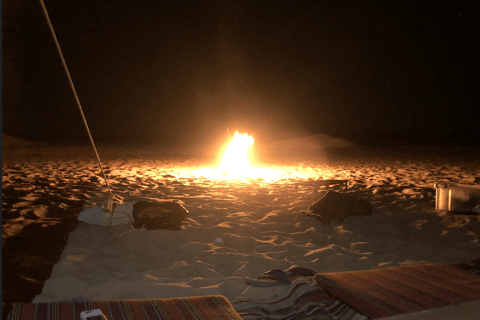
[
  {"x": 318, "y": 141},
  {"x": 9, "y": 141},
  {"x": 262, "y": 224}
]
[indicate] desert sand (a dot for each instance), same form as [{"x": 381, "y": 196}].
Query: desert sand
[{"x": 262, "y": 223}]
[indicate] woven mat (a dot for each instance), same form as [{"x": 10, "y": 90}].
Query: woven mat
[
  {"x": 206, "y": 307},
  {"x": 391, "y": 291}
]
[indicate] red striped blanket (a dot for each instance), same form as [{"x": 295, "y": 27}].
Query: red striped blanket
[
  {"x": 206, "y": 307},
  {"x": 391, "y": 291}
]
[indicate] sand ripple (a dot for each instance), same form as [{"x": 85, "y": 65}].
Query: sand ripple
[{"x": 262, "y": 224}]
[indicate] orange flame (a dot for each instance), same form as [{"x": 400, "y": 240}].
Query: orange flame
[{"x": 235, "y": 159}]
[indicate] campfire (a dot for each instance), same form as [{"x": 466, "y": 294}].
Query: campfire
[
  {"x": 235, "y": 163},
  {"x": 235, "y": 160},
  {"x": 239, "y": 164}
]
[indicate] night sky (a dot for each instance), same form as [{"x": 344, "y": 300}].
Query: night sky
[{"x": 185, "y": 71}]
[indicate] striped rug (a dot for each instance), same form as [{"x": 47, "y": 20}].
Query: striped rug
[
  {"x": 205, "y": 308},
  {"x": 304, "y": 300},
  {"x": 391, "y": 291}
]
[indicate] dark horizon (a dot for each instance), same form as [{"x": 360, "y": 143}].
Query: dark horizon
[{"x": 173, "y": 72}]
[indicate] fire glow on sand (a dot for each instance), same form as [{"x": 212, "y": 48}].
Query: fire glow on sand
[{"x": 235, "y": 166}]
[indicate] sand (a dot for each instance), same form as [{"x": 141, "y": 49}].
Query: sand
[{"x": 263, "y": 224}]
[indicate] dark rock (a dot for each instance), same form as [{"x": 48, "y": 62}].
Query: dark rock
[
  {"x": 158, "y": 215},
  {"x": 337, "y": 207}
]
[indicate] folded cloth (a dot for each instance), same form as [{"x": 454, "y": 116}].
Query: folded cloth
[
  {"x": 205, "y": 307},
  {"x": 304, "y": 299},
  {"x": 391, "y": 291}
]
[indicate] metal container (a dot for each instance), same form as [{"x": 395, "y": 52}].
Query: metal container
[{"x": 457, "y": 197}]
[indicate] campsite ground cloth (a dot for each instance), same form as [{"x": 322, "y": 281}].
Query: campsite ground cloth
[
  {"x": 206, "y": 308},
  {"x": 303, "y": 300},
  {"x": 391, "y": 291}
]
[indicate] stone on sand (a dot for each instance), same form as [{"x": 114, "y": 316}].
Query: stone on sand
[
  {"x": 158, "y": 215},
  {"x": 334, "y": 206}
]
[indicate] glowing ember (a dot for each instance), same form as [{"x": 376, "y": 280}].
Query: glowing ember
[{"x": 235, "y": 158}]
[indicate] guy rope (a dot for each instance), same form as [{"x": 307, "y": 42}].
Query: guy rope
[{"x": 113, "y": 200}]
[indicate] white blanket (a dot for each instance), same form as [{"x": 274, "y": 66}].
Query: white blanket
[{"x": 96, "y": 216}]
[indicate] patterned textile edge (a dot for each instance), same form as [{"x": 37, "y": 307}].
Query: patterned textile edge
[
  {"x": 405, "y": 289},
  {"x": 304, "y": 300},
  {"x": 204, "y": 307}
]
